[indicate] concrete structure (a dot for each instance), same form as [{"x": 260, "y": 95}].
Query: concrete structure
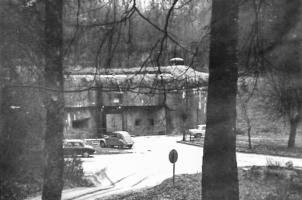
[{"x": 142, "y": 101}]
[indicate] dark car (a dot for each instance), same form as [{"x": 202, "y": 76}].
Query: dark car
[
  {"x": 120, "y": 139},
  {"x": 73, "y": 147}
]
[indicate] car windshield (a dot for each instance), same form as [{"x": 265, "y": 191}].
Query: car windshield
[
  {"x": 78, "y": 144},
  {"x": 74, "y": 143},
  {"x": 125, "y": 136},
  {"x": 68, "y": 144},
  {"x": 201, "y": 127}
]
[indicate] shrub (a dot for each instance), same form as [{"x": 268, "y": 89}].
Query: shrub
[
  {"x": 273, "y": 164},
  {"x": 74, "y": 173},
  {"x": 29, "y": 184}
]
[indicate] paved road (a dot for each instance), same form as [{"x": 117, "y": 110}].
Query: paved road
[{"x": 148, "y": 165}]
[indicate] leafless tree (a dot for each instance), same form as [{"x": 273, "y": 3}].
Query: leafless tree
[{"x": 282, "y": 98}]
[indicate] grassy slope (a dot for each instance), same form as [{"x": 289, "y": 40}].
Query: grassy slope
[
  {"x": 188, "y": 187},
  {"x": 269, "y": 134}
]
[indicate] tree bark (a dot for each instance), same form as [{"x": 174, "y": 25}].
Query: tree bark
[
  {"x": 244, "y": 108},
  {"x": 54, "y": 101},
  {"x": 219, "y": 170},
  {"x": 249, "y": 136},
  {"x": 292, "y": 133}
]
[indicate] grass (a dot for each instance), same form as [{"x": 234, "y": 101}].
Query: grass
[
  {"x": 269, "y": 143},
  {"x": 251, "y": 186}
]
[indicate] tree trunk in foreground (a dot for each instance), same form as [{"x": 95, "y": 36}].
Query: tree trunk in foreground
[
  {"x": 219, "y": 170},
  {"x": 54, "y": 101},
  {"x": 292, "y": 133}
]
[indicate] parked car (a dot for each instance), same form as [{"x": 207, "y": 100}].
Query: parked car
[
  {"x": 77, "y": 147},
  {"x": 199, "y": 131},
  {"x": 120, "y": 139}
]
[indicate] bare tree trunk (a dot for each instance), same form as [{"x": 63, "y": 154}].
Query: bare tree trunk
[
  {"x": 249, "y": 135},
  {"x": 247, "y": 120},
  {"x": 292, "y": 133},
  {"x": 183, "y": 132},
  {"x": 219, "y": 169},
  {"x": 54, "y": 101}
]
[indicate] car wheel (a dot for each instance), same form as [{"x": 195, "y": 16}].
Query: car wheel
[
  {"x": 198, "y": 135},
  {"x": 120, "y": 146},
  {"x": 130, "y": 146},
  {"x": 85, "y": 154},
  {"x": 102, "y": 144},
  {"x": 112, "y": 146}
]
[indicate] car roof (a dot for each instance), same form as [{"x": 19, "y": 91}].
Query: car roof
[
  {"x": 121, "y": 132},
  {"x": 73, "y": 140}
]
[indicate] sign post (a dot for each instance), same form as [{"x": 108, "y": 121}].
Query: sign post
[{"x": 173, "y": 155}]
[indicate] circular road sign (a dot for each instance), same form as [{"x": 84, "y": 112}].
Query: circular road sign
[{"x": 173, "y": 155}]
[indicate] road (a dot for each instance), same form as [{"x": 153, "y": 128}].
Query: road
[{"x": 147, "y": 164}]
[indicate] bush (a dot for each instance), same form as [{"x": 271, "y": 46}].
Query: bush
[
  {"x": 73, "y": 173},
  {"x": 28, "y": 184},
  {"x": 273, "y": 164}
]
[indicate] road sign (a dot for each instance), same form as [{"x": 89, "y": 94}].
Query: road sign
[{"x": 173, "y": 155}]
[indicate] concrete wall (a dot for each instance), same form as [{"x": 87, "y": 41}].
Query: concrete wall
[
  {"x": 80, "y": 99},
  {"x": 145, "y": 121},
  {"x": 190, "y": 103},
  {"x": 135, "y": 98},
  {"x": 139, "y": 116},
  {"x": 80, "y": 123}
]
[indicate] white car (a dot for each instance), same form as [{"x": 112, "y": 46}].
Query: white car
[{"x": 199, "y": 131}]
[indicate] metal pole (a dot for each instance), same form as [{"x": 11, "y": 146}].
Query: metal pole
[{"x": 173, "y": 174}]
